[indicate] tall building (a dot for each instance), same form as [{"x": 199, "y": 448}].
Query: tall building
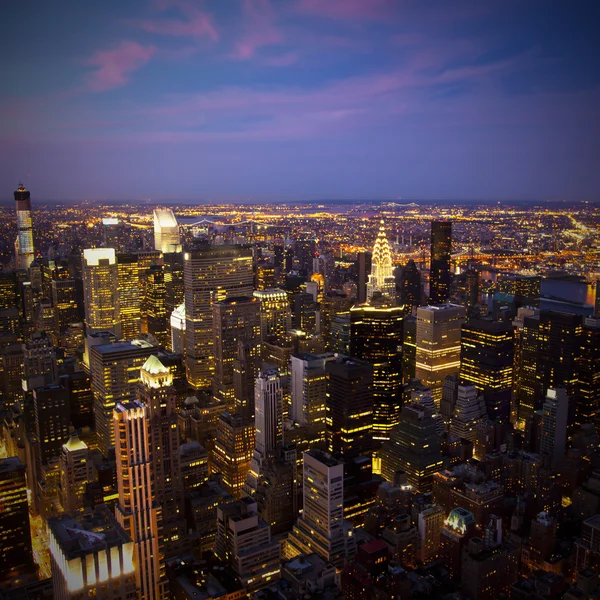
[
  {"x": 177, "y": 321},
  {"x": 438, "y": 345},
  {"x": 24, "y": 243},
  {"x": 81, "y": 398},
  {"x": 166, "y": 231},
  {"x": 91, "y": 556},
  {"x": 211, "y": 274},
  {"x": 410, "y": 286},
  {"x": 275, "y": 313},
  {"x": 244, "y": 542},
  {"x": 414, "y": 447},
  {"x": 16, "y": 554},
  {"x": 469, "y": 411},
  {"x": 157, "y": 394},
  {"x": 308, "y": 390},
  {"x": 376, "y": 336},
  {"x": 138, "y": 510},
  {"x": 527, "y": 340},
  {"x": 130, "y": 298},
  {"x": 101, "y": 291},
  {"x": 154, "y": 307},
  {"x": 439, "y": 270},
  {"x": 75, "y": 473},
  {"x": 245, "y": 371},
  {"x": 235, "y": 320},
  {"x": 382, "y": 277},
  {"x": 486, "y": 361},
  {"x": 554, "y": 426},
  {"x": 321, "y": 528},
  {"x": 349, "y": 416},
  {"x": 64, "y": 302},
  {"x": 52, "y": 419},
  {"x": 588, "y": 398},
  {"x": 364, "y": 269},
  {"x": 115, "y": 371}
]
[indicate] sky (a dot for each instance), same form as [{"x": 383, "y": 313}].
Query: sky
[{"x": 274, "y": 100}]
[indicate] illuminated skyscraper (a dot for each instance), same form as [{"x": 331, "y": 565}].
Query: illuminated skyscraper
[
  {"x": 469, "y": 411},
  {"x": 438, "y": 345},
  {"x": 275, "y": 313},
  {"x": 91, "y": 557},
  {"x": 486, "y": 361},
  {"x": 439, "y": 270},
  {"x": 64, "y": 302},
  {"x": 154, "y": 306},
  {"x": 382, "y": 277},
  {"x": 376, "y": 336},
  {"x": 166, "y": 231},
  {"x": 235, "y": 320},
  {"x": 16, "y": 555},
  {"x": 177, "y": 321},
  {"x": 212, "y": 274},
  {"x": 138, "y": 510},
  {"x": 588, "y": 399},
  {"x": 100, "y": 290},
  {"x": 130, "y": 308},
  {"x": 75, "y": 473},
  {"x": 51, "y": 410},
  {"x": 24, "y": 244}
]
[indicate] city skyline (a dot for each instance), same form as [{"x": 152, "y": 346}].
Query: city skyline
[{"x": 267, "y": 100}]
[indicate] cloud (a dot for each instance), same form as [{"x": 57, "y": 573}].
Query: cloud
[
  {"x": 260, "y": 30},
  {"x": 115, "y": 66},
  {"x": 345, "y": 9},
  {"x": 196, "y": 23}
]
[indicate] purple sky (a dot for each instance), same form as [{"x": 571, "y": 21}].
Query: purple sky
[{"x": 300, "y": 99}]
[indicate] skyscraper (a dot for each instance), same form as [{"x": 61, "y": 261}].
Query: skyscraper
[
  {"x": 275, "y": 313},
  {"x": 410, "y": 286},
  {"x": 468, "y": 412},
  {"x": 16, "y": 555},
  {"x": 51, "y": 409},
  {"x": 588, "y": 398},
  {"x": 75, "y": 473},
  {"x": 364, "y": 269},
  {"x": 382, "y": 278},
  {"x": 212, "y": 274},
  {"x": 100, "y": 290},
  {"x": 24, "y": 243},
  {"x": 130, "y": 298},
  {"x": 349, "y": 420},
  {"x": 154, "y": 306},
  {"x": 376, "y": 336},
  {"x": 138, "y": 510},
  {"x": 438, "y": 345},
  {"x": 235, "y": 320},
  {"x": 166, "y": 231},
  {"x": 439, "y": 270},
  {"x": 554, "y": 426}
]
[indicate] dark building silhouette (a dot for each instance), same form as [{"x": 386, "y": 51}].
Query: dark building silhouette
[
  {"x": 439, "y": 270},
  {"x": 410, "y": 286},
  {"x": 364, "y": 269}
]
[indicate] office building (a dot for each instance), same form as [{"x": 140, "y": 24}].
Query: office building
[
  {"x": 211, "y": 274},
  {"x": 16, "y": 554},
  {"x": 155, "y": 314},
  {"x": 81, "y": 399},
  {"x": 364, "y": 269},
  {"x": 349, "y": 407},
  {"x": 24, "y": 250},
  {"x": 156, "y": 392},
  {"x": 486, "y": 361},
  {"x": 469, "y": 411},
  {"x": 115, "y": 371},
  {"x": 75, "y": 473},
  {"x": 177, "y": 321},
  {"x": 376, "y": 335},
  {"x": 381, "y": 279},
  {"x": 438, "y": 345},
  {"x": 138, "y": 510},
  {"x": 554, "y": 426},
  {"x": 413, "y": 447},
  {"x": 64, "y": 302},
  {"x": 588, "y": 397},
  {"x": 245, "y": 371},
  {"x": 130, "y": 295},
  {"x": 235, "y": 320},
  {"x": 166, "y": 231},
  {"x": 101, "y": 290},
  {"x": 439, "y": 269},
  {"x": 275, "y": 313},
  {"x": 52, "y": 419},
  {"x": 334, "y": 302},
  {"x": 244, "y": 542},
  {"x": 321, "y": 528},
  {"x": 307, "y": 316},
  {"x": 527, "y": 288},
  {"x": 39, "y": 360},
  {"x": 527, "y": 340},
  {"x": 458, "y": 529},
  {"x": 430, "y": 520},
  {"x": 410, "y": 286},
  {"x": 91, "y": 556}
]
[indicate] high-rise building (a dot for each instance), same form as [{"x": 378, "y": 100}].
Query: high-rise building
[
  {"x": 376, "y": 336},
  {"x": 64, "y": 302},
  {"x": 16, "y": 554},
  {"x": 173, "y": 262},
  {"x": 244, "y": 542},
  {"x": 75, "y": 473},
  {"x": 439, "y": 270},
  {"x": 24, "y": 251},
  {"x": 138, "y": 510},
  {"x": 115, "y": 371},
  {"x": 177, "y": 321},
  {"x": 414, "y": 447},
  {"x": 526, "y": 287},
  {"x": 410, "y": 286},
  {"x": 349, "y": 416},
  {"x": 101, "y": 291},
  {"x": 382, "y": 277},
  {"x": 155, "y": 315},
  {"x": 438, "y": 345},
  {"x": 334, "y": 303},
  {"x": 364, "y": 269},
  {"x": 245, "y": 371},
  {"x": 527, "y": 334},
  {"x": 307, "y": 316},
  {"x": 212, "y": 274},
  {"x": 588, "y": 397},
  {"x": 157, "y": 394},
  {"x": 486, "y": 361},
  {"x": 81, "y": 398},
  {"x": 469, "y": 411},
  {"x": 130, "y": 299},
  {"x": 235, "y": 320},
  {"x": 554, "y": 426},
  {"x": 91, "y": 556},
  {"x": 275, "y": 313},
  {"x": 166, "y": 231},
  {"x": 52, "y": 419}
]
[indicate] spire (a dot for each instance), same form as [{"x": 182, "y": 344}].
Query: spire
[{"x": 382, "y": 271}]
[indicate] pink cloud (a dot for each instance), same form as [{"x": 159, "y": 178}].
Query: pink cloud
[
  {"x": 346, "y": 9},
  {"x": 259, "y": 31},
  {"x": 196, "y": 24},
  {"x": 115, "y": 66}
]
